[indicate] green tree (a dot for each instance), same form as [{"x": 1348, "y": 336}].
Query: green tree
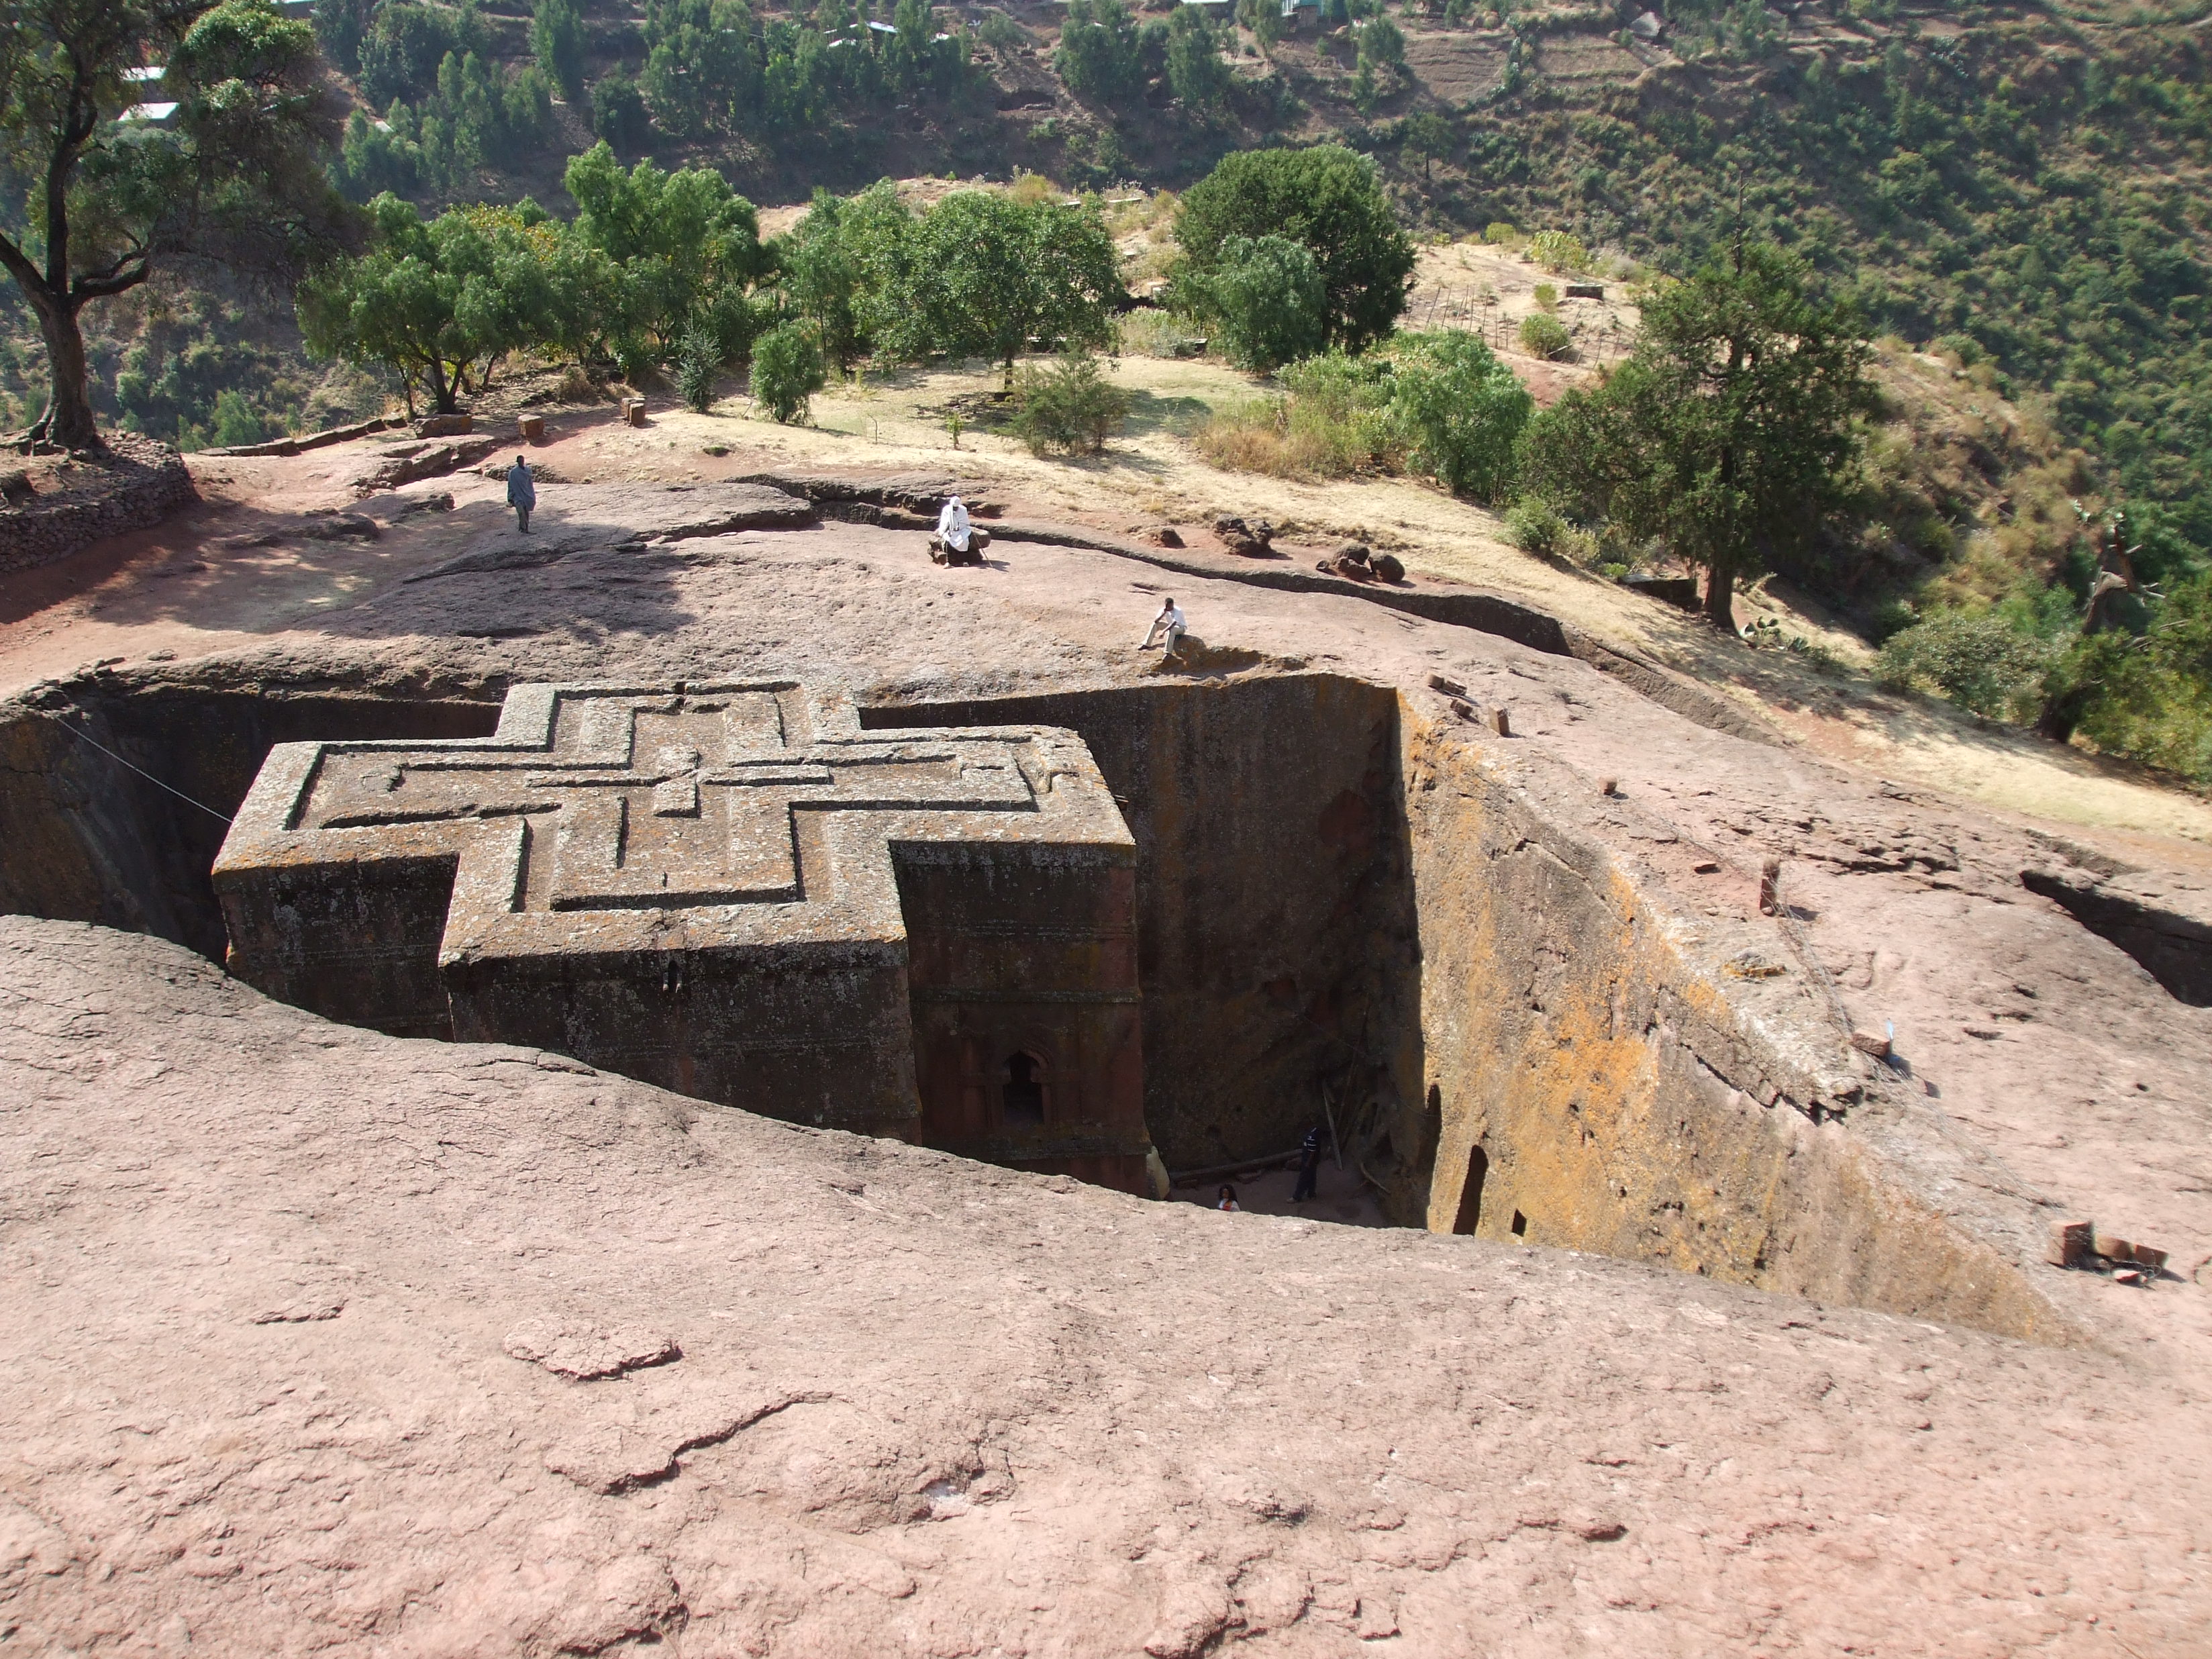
[
  {"x": 787, "y": 371},
  {"x": 1731, "y": 432},
  {"x": 556, "y": 39},
  {"x": 236, "y": 422},
  {"x": 1097, "y": 56},
  {"x": 1462, "y": 412},
  {"x": 1196, "y": 75},
  {"x": 341, "y": 25},
  {"x": 918, "y": 60},
  {"x": 824, "y": 265},
  {"x": 619, "y": 113},
  {"x": 373, "y": 158},
  {"x": 684, "y": 246},
  {"x": 1427, "y": 137},
  {"x": 1266, "y": 296},
  {"x": 700, "y": 71},
  {"x": 406, "y": 42},
  {"x": 440, "y": 303},
  {"x": 2150, "y": 695},
  {"x": 1264, "y": 18},
  {"x": 235, "y": 175},
  {"x": 983, "y": 273},
  {"x": 1326, "y": 198},
  {"x": 1381, "y": 45}
]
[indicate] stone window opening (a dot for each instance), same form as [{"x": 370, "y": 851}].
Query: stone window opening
[
  {"x": 1021, "y": 1099},
  {"x": 1470, "y": 1194}
]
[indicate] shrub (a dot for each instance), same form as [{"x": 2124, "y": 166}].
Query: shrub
[
  {"x": 1536, "y": 526},
  {"x": 1002, "y": 33},
  {"x": 698, "y": 361},
  {"x": 236, "y": 422},
  {"x": 1543, "y": 336},
  {"x": 1977, "y": 659},
  {"x": 1546, "y": 297},
  {"x": 787, "y": 371},
  {"x": 1269, "y": 298},
  {"x": 1558, "y": 250},
  {"x": 1334, "y": 422},
  {"x": 1498, "y": 234},
  {"x": 1070, "y": 407},
  {"x": 1460, "y": 410}
]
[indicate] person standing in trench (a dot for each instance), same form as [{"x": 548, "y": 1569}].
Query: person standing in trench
[{"x": 1308, "y": 1166}]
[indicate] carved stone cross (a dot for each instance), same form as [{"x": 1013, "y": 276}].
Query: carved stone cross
[{"x": 709, "y": 887}]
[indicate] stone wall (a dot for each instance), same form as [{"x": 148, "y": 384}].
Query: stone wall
[
  {"x": 1597, "y": 1083},
  {"x": 141, "y": 484},
  {"x": 1274, "y": 905},
  {"x": 90, "y": 839}
]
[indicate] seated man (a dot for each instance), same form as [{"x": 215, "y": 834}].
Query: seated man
[
  {"x": 1169, "y": 622},
  {"x": 957, "y": 541}
]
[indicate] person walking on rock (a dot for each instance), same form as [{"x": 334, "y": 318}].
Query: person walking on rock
[
  {"x": 521, "y": 493},
  {"x": 1170, "y": 621},
  {"x": 1308, "y": 1166}
]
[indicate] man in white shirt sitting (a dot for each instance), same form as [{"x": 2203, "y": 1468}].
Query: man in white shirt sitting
[
  {"x": 1170, "y": 622},
  {"x": 955, "y": 536}
]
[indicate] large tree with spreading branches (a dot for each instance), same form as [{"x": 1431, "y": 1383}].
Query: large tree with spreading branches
[
  {"x": 1732, "y": 435},
  {"x": 90, "y": 204}
]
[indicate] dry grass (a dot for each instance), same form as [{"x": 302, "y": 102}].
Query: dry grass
[{"x": 1294, "y": 437}]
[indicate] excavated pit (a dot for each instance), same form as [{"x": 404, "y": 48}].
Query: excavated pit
[{"x": 1338, "y": 914}]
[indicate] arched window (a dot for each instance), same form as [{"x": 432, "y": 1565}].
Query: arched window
[{"x": 1022, "y": 1099}]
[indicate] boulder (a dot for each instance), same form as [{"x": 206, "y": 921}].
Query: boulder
[{"x": 1251, "y": 538}]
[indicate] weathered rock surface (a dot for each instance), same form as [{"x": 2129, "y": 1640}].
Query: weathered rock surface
[
  {"x": 1342, "y": 852},
  {"x": 928, "y": 1408}
]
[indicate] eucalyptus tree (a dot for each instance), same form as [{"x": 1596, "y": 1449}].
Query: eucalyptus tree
[{"x": 92, "y": 204}]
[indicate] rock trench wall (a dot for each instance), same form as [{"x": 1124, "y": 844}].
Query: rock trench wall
[
  {"x": 1332, "y": 895},
  {"x": 90, "y": 839},
  {"x": 1275, "y": 917},
  {"x": 1595, "y": 1087}
]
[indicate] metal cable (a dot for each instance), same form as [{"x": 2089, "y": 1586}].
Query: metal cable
[{"x": 140, "y": 770}]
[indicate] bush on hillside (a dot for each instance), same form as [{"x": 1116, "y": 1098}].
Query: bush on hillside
[
  {"x": 1460, "y": 411},
  {"x": 1558, "y": 250},
  {"x": 1535, "y": 526},
  {"x": 1333, "y": 421},
  {"x": 1070, "y": 407},
  {"x": 1977, "y": 659},
  {"x": 1544, "y": 336},
  {"x": 787, "y": 371}
]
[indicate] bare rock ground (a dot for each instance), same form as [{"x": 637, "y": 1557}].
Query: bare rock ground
[
  {"x": 268, "y": 1279},
  {"x": 283, "y": 1298}
]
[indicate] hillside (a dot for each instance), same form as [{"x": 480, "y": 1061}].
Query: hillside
[{"x": 2012, "y": 195}]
